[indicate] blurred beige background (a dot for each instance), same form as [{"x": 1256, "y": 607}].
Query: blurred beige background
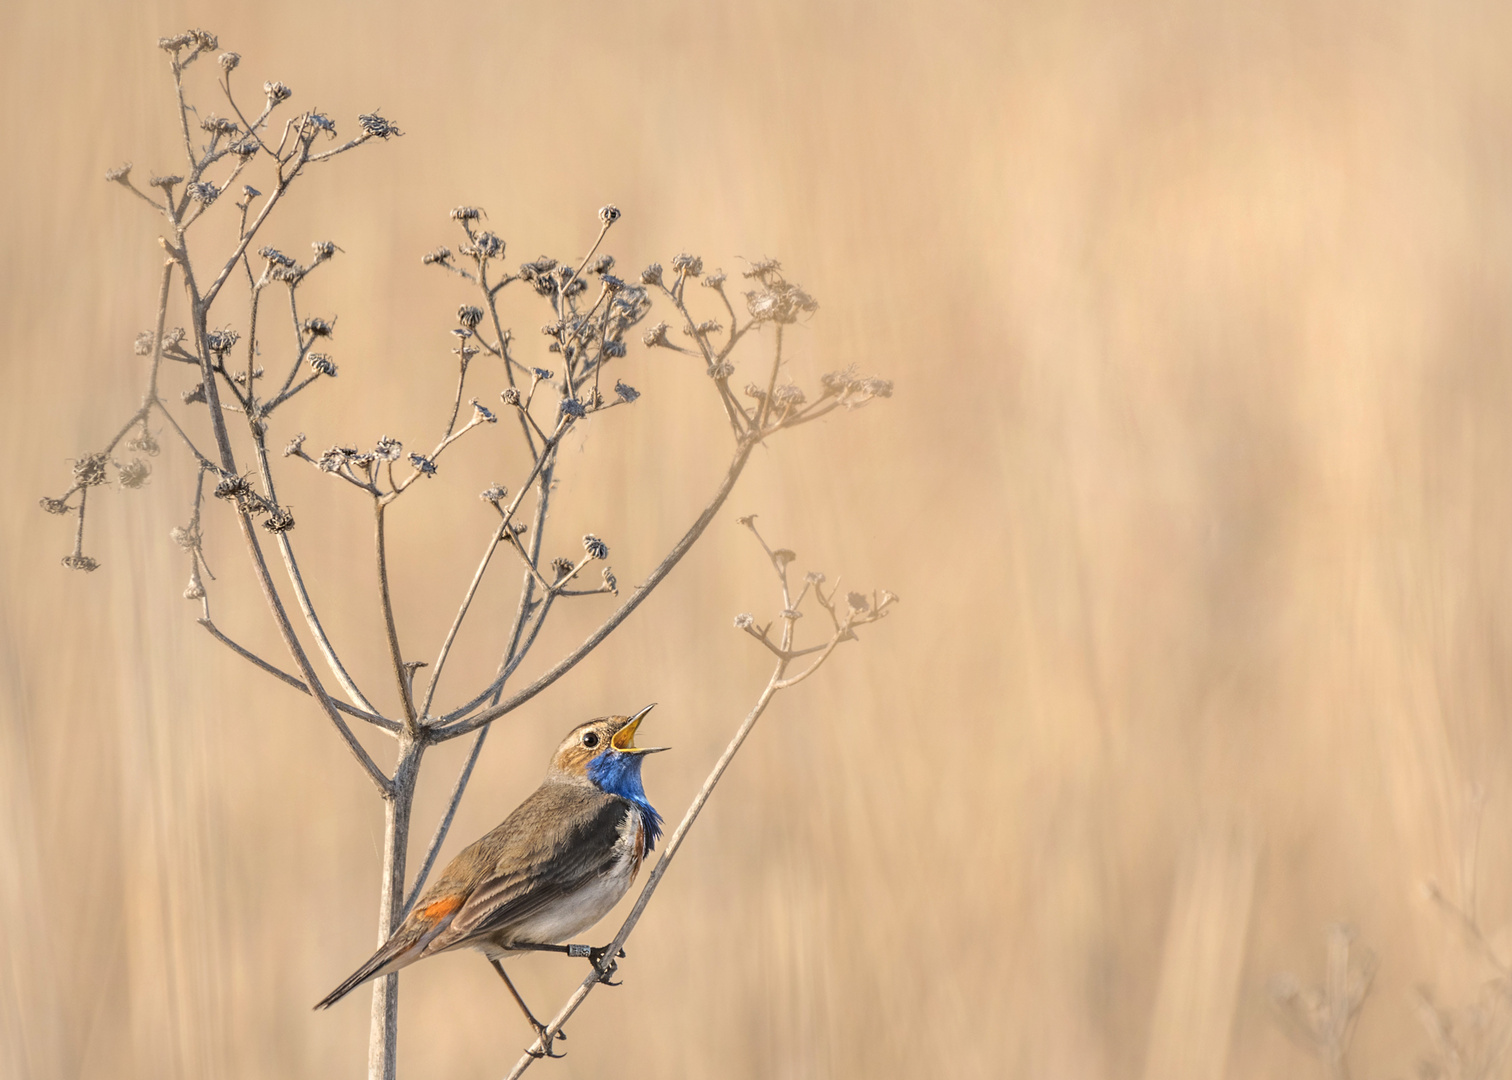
[{"x": 1195, "y": 488}]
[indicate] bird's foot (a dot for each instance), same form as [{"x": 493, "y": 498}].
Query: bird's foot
[
  {"x": 605, "y": 964},
  {"x": 544, "y": 1036}
]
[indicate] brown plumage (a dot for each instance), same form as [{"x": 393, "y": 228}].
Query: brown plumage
[{"x": 553, "y": 868}]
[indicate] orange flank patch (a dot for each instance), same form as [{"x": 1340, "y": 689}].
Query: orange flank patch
[{"x": 440, "y": 909}]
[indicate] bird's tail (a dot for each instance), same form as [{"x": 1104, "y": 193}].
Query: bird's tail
[{"x": 398, "y": 951}]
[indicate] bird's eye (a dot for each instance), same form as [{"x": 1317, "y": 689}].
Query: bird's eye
[{"x": 590, "y": 739}]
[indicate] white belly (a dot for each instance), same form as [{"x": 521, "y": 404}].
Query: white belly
[{"x": 573, "y": 914}]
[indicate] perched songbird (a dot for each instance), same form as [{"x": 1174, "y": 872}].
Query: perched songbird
[{"x": 556, "y": 866}]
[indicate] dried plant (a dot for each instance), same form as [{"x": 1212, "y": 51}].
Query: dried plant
[
  {"x": 1466, "y": 1042},
  {"x": 592, "y": 313},
  {"x": 1322, "y": 1018}
]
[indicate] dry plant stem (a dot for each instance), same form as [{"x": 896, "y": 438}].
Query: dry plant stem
[
  {"x": 388, "y": 618},
  {"x": 302, "y": 595},
  {"x": 383, "y": 1043},
  {"x": 842, "y": 631},
  {"x": 659, "y": 870},
  {"x": 639, "y": 594},
  {"x": 372, "y": 718}
]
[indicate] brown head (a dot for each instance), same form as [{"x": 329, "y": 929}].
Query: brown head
[{"x": 606, "y": 735}]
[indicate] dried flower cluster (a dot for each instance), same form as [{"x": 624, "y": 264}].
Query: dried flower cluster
[{"x": 236, "y": 379}]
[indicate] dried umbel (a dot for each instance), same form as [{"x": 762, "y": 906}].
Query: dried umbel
[{"x": 593, "y": 320}]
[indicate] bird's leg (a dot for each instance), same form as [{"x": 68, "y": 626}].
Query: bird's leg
[
  {"x": 592, "y": 955},
  {"x": 540, "y": 1028}
]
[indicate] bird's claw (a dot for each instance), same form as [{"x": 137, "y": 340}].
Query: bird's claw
[
  {"x": 545, "y": 1037},
  {"x": 597, "y": 958}
]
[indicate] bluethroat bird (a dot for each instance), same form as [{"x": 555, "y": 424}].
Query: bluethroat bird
[{"x": 556, "y": 866}]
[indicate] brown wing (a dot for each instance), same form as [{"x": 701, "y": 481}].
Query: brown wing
[{"x": 556, "y": 841}]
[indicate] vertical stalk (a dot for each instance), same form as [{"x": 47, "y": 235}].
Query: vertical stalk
[
  {"x": 383, "y": 1037},
  {"x": 405, "y": 701}
]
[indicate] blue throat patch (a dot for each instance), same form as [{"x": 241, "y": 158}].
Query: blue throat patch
[{"x": 619, "y": 774}]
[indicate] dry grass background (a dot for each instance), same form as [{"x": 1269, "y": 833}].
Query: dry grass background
[{"x": 1195, "y": 488}]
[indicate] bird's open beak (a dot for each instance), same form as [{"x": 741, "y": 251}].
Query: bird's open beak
[{"x": 624, "y": 738}]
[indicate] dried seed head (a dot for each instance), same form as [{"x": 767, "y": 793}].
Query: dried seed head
[
  {"x": 602, "y": 265},
  {"x": 333, "y": 459},
  {"x": 469, "y": 316},
  {"x": 219, "y": 125},
  {"x": 280, "y": 519},
  {"x": 814, "y": 577},
  {"x": 317, "y": 327},
  {"x": 144, "y": 343},
  {"x": 496, "y": 494},
  {"x": 144, "y": 442},
  {"x": 610, "y": 581},
  {"x": 657, "y": 335},
  {"x": 133, "y": 474},
  {"x": 562, "y": 567},
  {"x": 484, "y": 246},
  {"x": 204, "y": 192},
  {"x": 195, "y": 396},
  {"x": 321, "y": 122},
  {"x": 55, "y": 506},
  {"x": 438, "y": 255},
  {"x": 744, "y": 621},
  {"x": 611, "y": 349},
  {"x": 89, "y": 471},
  {"x": 195, "y": 590},
  {"x": 250, "y": 192},
  {"x": 228, "y": 61},
  {"x": 321, "y": 364},
  {"x": 231, "y": 486},
  {"x": 294, "y": 445},
  {"x": 652, "y": 275},
  {"x": 791, "y": 614},
  {"x": 788, "y": 395},
  {"x": 573, "y": 408},
  {"x": 609, "y": 214},
  {"x": 462, "y": 332},
  {"x": 511, "y": 396},
  {"x": 715, "y": 280},
  {"x": 687, "y": 265},
  {"x": 120, "y": 174},
  {"x": 388, "y": 449},
  {"x": 277, "y": 92},
  {"x": 273, "y": 255},
  {"x": 595, "y": 547},
  {"x": 858, "y": 603},
  {"x": 423, "y": 465},
  {"x": 81, "y": 562},
  {"x": 780, "y": 303},
  {"x": 220, "y": 342},
  {"x": 247, "y": 148},
  {"x": 721, "y": 371},
  {"x": 483, "y": 414},
  {"x": 703, "y": 329},
  {"x": 783, "y": 556},
  {"x": 748, "y": 520},
  {"x": 627, "y": 394},
  {"x": 165, "y": 182},
  {"x": 376, "y": 127},
  {"x": 541, "y": 373},
  {"x": 324, "y": 249},
  {"x": 466, "y": 213}
]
